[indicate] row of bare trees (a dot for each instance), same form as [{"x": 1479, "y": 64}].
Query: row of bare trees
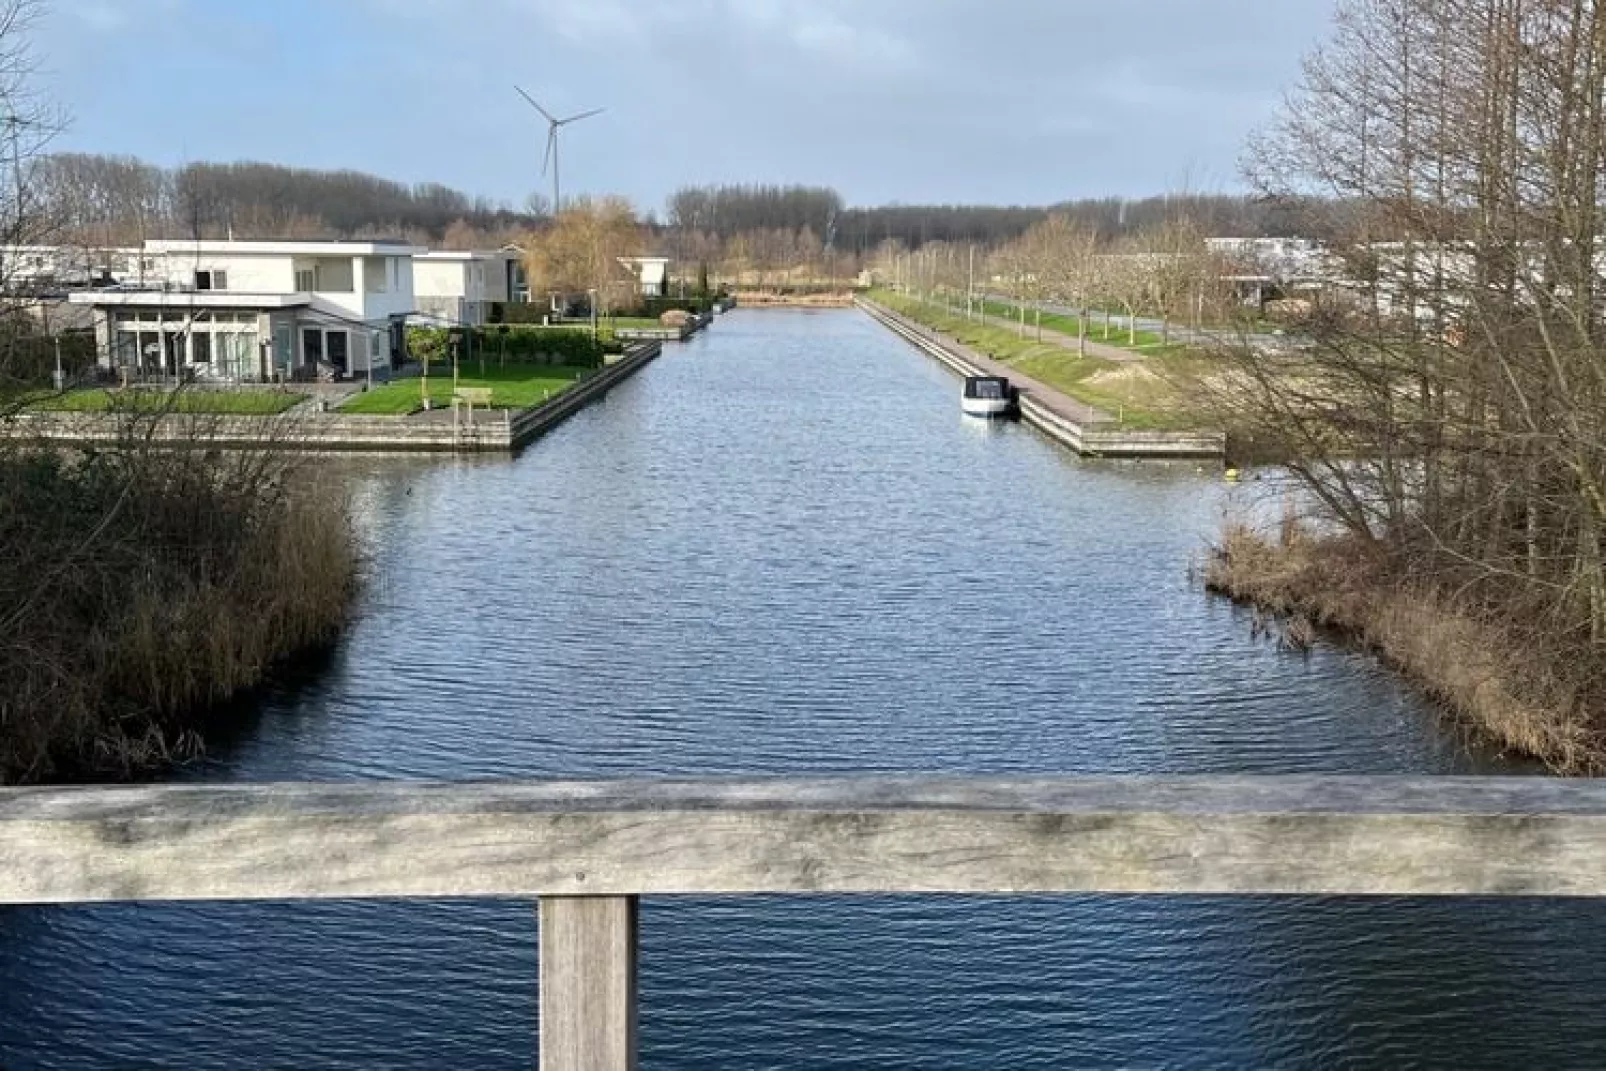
[
  {"x": 108, "y": 201},
  {"x": 1167, "y": 272},
  {"x": 1453, "y": 410}
]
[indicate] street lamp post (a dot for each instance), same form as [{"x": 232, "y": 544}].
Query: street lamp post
[{"x": 593, "y": 294}]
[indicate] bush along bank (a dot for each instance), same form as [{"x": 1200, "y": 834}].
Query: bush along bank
[
  {"x": 1506, "y": 681},
  {"x": 140, "y": 588},
  {"x": 573, "y": 347}
]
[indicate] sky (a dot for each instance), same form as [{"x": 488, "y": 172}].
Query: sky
[{"x": 906, "y": 101}]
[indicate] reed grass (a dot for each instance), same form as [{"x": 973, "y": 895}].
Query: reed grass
[
  {"x": 1510, "y": 684},
  {"x": 139, "y": 588}
]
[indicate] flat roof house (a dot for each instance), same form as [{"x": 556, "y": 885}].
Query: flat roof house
[
  {"x": 257, "y": 311},
  {"x": 463, "y": 287},
  {"x": 652, "y": 274}
]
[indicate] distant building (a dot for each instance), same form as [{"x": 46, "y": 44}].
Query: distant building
[
  {"x": 55, "y": 269},
  {"x": 652, "y": 274},
  {"x": 1265, "y": 269},
  {"x": 257, "y": 310},
  {"x": 452, "y": 287},
  {"x": 518, "y": 280}
]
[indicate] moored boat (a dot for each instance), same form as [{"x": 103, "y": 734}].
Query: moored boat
[{"x": 987, "y": 396}]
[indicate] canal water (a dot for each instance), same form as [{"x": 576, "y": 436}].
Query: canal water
[{"x": 782, "y": 550}]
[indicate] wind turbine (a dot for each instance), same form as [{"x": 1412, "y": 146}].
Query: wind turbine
[{"x": 554, "y": 124}]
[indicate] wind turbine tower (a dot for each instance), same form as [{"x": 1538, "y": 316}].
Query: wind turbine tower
[{"x": 550, "y": 160}]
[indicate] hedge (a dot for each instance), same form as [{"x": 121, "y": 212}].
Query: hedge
[{"x": 536, "y": 345}]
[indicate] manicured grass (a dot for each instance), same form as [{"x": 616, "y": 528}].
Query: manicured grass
[
  {"x": 628, "y": 322},
  {"x": 241, "y": 402},
  {"x": 512, "y": 387},
  {"x": 1146, "y": 395}
]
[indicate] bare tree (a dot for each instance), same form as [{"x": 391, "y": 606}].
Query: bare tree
[
  {"x": 580, "y": 252},
  {"x": 1450, "y": 412}
]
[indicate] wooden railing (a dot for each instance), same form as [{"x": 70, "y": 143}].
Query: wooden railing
[{"x": 588, "y": 850}]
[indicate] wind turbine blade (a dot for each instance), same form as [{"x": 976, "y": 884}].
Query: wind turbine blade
[
  {"x": 583, "y": 115},
  {"x": 535, "y": 105},
  {"x": 551, "y": 146}
]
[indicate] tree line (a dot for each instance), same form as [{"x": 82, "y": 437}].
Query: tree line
[
  {"x": 121, "y": 200},
  {"x": 723, "y": 212}
]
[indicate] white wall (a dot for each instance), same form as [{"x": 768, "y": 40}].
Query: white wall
[
  {"x": 246, "y": 274},
  {"x": 440, "y": 278},
  {"x": 274, "y": 273}
]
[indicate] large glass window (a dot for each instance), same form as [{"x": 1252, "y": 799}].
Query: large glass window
[
  {"x": 283, "y": 347},
  {"x": 335, "y": 346},
  {"x": 311, "y": 345},
  {"x": 236, "y": 354}
]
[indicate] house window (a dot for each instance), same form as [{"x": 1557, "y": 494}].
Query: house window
[
  {"x": 306, "y": 280},
  {"x": 211, "y": 280},
  {"x": 200, "y": 348}
]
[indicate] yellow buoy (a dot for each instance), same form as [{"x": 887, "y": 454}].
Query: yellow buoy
[{"x": 1232, "y": 475}]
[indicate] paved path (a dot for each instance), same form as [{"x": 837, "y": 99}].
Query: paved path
[
  {"x": 1178, "y": 332},
  {"x": 1102, "y": 350}
]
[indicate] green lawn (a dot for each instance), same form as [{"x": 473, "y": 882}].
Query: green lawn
[
  {"x": 628, "y": 322},
  {"x": 244, "y": 401},
  {"x": 512, "y": 387}
]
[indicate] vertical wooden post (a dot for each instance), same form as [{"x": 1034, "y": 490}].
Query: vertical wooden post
[{"x": 588, "y": 983}]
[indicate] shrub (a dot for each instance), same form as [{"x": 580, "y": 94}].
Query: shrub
[{"x": 573, "y": 347}]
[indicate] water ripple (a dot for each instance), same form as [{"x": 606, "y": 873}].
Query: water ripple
[{"x": 781, "y": 549}]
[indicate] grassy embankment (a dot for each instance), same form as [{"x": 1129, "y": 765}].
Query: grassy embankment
[
  {"x": 138, "y": 588},
  {"x": 515, "y": 386},
  {"x": 1154, "y": 394},
  {"x": 1504, "y": 682}
]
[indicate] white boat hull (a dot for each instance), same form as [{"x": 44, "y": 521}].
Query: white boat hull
[{"x": 984, "y": 407}]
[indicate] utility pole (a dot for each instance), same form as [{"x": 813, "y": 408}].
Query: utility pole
[{"x": 970, "y": 281}]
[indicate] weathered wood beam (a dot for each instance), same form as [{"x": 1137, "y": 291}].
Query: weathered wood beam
[
  {"x": 1338, "y": 835},
  {"x": 588, "y": 983}
]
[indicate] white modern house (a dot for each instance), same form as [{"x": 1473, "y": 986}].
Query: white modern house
[
  {"x": 463, "y": 287},
  {"x": 652, "y": 274},
  {"x": 257, "y": 310}
]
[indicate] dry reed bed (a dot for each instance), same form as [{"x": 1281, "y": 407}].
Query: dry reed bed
[
  {"x": 1502, "y": 681},
  {"x": 138, "y": 588}
]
